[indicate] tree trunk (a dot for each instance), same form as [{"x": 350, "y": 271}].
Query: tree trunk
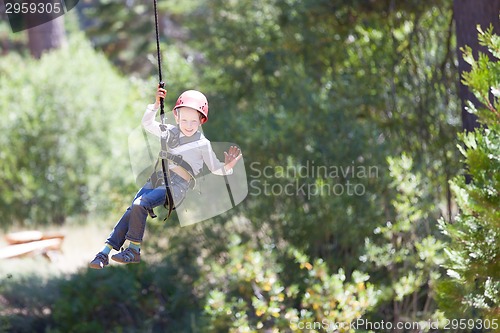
[
  {"x": 47, "y": 36},
  {"x": 468, "y": 15}
]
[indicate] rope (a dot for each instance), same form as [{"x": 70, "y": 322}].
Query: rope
[
  {"x": 157, "y": 29},
  {"x": 169, "y": 202},
  {"x": 158, "y": 56}
]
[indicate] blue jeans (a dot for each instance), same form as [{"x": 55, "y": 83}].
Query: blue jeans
[{"x": 132, "y": 224}]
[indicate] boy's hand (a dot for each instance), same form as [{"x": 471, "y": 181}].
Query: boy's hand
[
  {"x": 231, "y": 157},
  {"x": 160, "y": 93}
]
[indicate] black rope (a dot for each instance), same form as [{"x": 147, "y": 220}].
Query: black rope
[
  {"x": 157, "y": 40},
  {"x": 158, "y": 56},
  {"x": 169, "y": 202}
]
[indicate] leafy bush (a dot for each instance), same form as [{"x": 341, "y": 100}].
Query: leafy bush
[
  {"x": 65, "y": 120},
  {"x": 26, "y": 303},
  {"x": 405, "y": 253},
  {"x": 249, "y": 293},
  {"x": 135, "y": 298},
  {"x": 104, "y": 301}
]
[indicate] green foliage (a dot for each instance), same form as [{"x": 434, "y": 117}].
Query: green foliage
[
  {"x": 121, "y": 301},
  {"x": 407, "y": 93},
  {"x": 63, "y": 124},
  {"x": 280, "y": 94},
  {"x": 110, "y": 25},
  {"x": 136, "y": 298},
  {"x": 483, "y": 77},
  {"x": 251, "y": 293},
  {"x": 26, "y": 303},
  {"x": 405, "y": 253},
  {"x": 473, "y": 287},
  {"x": 155, "y": 296},
  {"x": 305, "y": 83}
]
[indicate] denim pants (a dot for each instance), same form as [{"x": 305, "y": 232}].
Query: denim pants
[{"x": 132, "y": 224}]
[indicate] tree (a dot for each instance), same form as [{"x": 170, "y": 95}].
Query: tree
[
  {"x": 45, "y": 30},
  {"x": 47, "y": 36},
  {"x": 404, "y": 255},
  {"x": 67, "y": 132},
  {"x": 322, "y": 84},
  {"x": 125, "y": 32},
  {"x": 468, "y": 14},
  {"x": 473, "y": 287}
]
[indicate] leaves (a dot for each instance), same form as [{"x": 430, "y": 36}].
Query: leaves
[
  {"x": 473, "y": 250},
  {"x": 66, "y": 130},
  {"x": 253, "y": 295}
]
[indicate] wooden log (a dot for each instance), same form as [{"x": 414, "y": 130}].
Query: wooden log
[
  {"x": 41, "y": 246},
  {"x": 23, "y": 237},
  {"x": 30, "y": 236}
]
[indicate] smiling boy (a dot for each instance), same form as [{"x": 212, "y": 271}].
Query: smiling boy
[{"x": 188, "y": 150}]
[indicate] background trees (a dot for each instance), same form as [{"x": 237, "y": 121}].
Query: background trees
[
  {"x": 50, "y": 35},
  {"x": 468, "y": 15}
]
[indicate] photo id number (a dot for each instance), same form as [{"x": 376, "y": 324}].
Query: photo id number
[{"x": 33, "y": 7}]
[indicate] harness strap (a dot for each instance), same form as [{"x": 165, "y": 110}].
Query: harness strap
[
  {"x": 174, "y": 140},
  {"x": 169, "y": 200},
  {"x": 164, "y": 156},
  {"x": 177, "y": 159}
]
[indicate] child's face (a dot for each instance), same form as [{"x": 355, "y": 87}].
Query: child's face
[{"x": 188, "y": 120}]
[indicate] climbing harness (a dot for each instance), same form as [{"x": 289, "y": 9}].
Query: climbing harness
[
  {"x": 174, "y": 138},
  {"x": 157, "y": 179}
]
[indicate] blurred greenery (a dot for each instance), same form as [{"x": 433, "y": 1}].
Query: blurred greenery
[
  {"x": 62, "y": 153},
  {"x": 405, "y": 254},
  {"x": 249, "y": 293},
  {"x": 351, "y": 106}
]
